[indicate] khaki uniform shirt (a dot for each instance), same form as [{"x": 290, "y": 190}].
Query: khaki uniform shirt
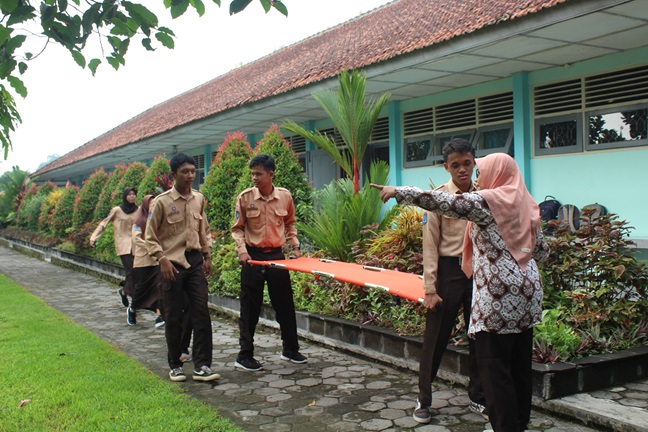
[
  {"x": 264, "y": 223},
  {"x": 177, "y": 225},
  {"x": 442, "y": 236},
  {"x": 140, "y": 252},
  {"x": 122, "y": 224}
]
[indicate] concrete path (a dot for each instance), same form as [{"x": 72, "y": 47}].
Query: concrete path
[{"x": 333, "y": 392}]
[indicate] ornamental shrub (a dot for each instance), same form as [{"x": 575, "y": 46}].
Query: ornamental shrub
[
  {"x": 86, "y": 201},
  {"x": 47, "y": 208},
  {"x": 599, "y": 288},
  {"x": 227, "y": 168},
  {"x": 289, "y": 173},
  {"x": 149, "y": 185},
  {"x": 63, "y": 213},
  {"x": 104, "y": 205},
  {"x": 30, "y": 212},
  {"x": 132, "y": 178}
]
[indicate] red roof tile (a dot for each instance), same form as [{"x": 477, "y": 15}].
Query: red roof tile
[{"x": 397, "y": 28}]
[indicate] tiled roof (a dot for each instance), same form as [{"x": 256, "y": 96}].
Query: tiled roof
[{"x": 397, "y": 28}]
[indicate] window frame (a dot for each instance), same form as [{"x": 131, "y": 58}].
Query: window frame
[
  {"x": 617, "y": 144},
  {"x": 578, "y": 147}
]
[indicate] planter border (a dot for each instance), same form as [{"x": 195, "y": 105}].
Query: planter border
[{"x": 550, "y": 380}]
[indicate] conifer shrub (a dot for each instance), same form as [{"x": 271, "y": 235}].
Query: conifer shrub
[
  {"x": 47, "y": 208},
  {"x": 63, "y": 214},
  {"x": 149, "y": 185},
  {"x": 289, "y": 173},
  {"x": 86, "y": 201},
  {"x": 104, "y": 249},
  {"x": 228, "y": 166},
  {"x": 132, "y": 178},
  {"x": 104, "y": 205}
]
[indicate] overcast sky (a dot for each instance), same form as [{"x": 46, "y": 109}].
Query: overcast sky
[{"x": 66, "y": 106}]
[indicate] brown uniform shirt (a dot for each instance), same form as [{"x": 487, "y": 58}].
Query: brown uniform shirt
[
  {"x": 140, "y": 251},
  {"x": 177, "y": 225},
  {"x": 442, "y": 236},
  {"x": 264, "y": 223},
  {"x": 122, "y": 224}
]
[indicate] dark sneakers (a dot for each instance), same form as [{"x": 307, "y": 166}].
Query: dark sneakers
[
  {"x": 422, "y": 413},
  {"x": 294, "y": 357},
  {"x": 177, "y": 375},
  {"x": 131, "y": 316},
  {"x": 478, "y": 408},
  {"x": 248, "y": 364},
  {"x": 159, "y": 321},
  {"x": 123, "y": 297},
  {"x": 205, "y": 374}
]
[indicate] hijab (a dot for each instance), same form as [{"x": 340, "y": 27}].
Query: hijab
[
  {"x": 127, "y": 207},
  {"x": 142, "y": 214},
  {"x": 515, "y": 212}
]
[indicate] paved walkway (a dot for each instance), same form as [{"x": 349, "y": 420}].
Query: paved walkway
[{"x": 333, "y": 392}]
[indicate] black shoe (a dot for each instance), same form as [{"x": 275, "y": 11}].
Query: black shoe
[
  {"x": 249, "y": 364},
  {"x": 123, "y": 297},
  {"x": 205, "y": 374},
  {"x": 177, "y": 375},
  {"x": 131, "y": 316},
  {"x": 159, "y": 321},
  {"x": 422, "y": 413},
  {"x": 294, "y": 357},
  {"x": 478, "y": 408}
]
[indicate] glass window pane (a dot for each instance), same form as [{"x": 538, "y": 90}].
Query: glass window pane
[
  {"x": 619, "y": 126},
  {"x": 559, "y": 134},
  {"x": 494, "y": 139},
  {"x": 417, "y": 150}
]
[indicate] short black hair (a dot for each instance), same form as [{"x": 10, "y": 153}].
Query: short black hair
[
  {"x": 264, "y": 160},
  {"x": 179, "y": 159},
  {"x": 457, "y": 145}
]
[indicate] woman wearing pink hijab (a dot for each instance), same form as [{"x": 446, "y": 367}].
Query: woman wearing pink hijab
[{"x": 505, "y": 242}]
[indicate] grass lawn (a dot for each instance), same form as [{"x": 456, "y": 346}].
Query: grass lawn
[{"x": 76, "y": 381}]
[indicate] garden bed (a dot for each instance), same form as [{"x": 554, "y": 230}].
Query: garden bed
[{"x": 550, "y": 380}]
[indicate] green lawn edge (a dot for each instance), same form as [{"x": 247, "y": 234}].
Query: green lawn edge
[{"x": 75, "y": 381}]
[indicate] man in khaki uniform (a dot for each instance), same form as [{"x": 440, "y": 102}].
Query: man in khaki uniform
[
  {"x": 447, "y": 288},
  {"x": 265, "y": 219},
  {"x": 178, "y": 236}
]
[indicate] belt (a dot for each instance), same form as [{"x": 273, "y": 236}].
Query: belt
[
  {"x": 450, "y": 258},
  {"x": 263, "y": 250}
]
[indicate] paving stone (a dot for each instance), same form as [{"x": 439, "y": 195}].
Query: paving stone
[{"x": 333, "y": 392}]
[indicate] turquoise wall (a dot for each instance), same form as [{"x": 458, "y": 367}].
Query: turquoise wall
[{"x": 615, "y": 178}]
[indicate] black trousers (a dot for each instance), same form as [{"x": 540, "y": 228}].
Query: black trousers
[
  {"x": 505, "y": 367},
  {"x": 456, "y": 291},
  {"x": 190, "y": 286},
  {"x": 253, "y": 279},
  {"x": 129, "y": 282}
]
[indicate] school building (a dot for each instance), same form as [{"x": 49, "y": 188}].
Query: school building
[{"x": 561, "y": 85}]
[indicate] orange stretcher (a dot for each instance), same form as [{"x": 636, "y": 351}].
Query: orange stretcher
[{"x": 405, "y": 285}]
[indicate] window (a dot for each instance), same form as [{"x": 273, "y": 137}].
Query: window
[
  {"x": 486, "y": 122},
  {"x": 558, "y": 135},
  {"x": 492, "y": 139},
  {"x": 617, "y": 128},
  {"x": 603, "y": 111}
]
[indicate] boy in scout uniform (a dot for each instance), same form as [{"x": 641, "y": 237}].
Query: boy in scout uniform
[
  {"x": 446, "y": 286},
  {"x": 265, "y": 219},
  {"x": 178, "y": 236}
]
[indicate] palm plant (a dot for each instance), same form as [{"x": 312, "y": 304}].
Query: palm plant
[
  {"x": 341, "y": 214},
  {"x": 13, "y": 188},
  {"x": 354, "y": 118}
]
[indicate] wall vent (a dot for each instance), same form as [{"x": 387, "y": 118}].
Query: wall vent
[
  {"x": 619, "y": 87},
  {"x": 558, "y": 97},
  {"x": 380, "y": 131},
  {"x": 418, "y": 122},
  {"x": 495, "y": 109}
]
